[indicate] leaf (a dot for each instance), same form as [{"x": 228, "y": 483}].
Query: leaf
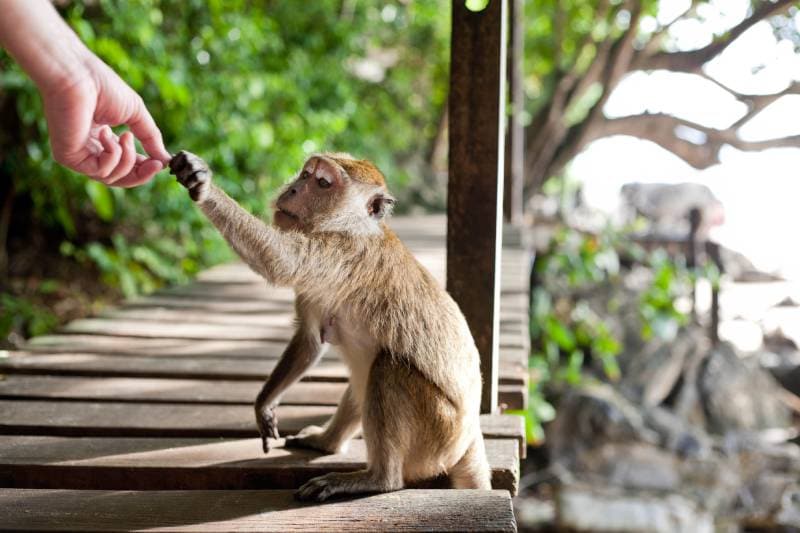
[
  {"x": 102, "y": 200},
  {"x": 563, "y": 336}
]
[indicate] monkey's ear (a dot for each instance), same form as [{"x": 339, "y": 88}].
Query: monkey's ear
[{"x": 380, "y": 205}]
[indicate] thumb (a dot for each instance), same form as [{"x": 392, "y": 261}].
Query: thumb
[{"x": 144, "y": 128}]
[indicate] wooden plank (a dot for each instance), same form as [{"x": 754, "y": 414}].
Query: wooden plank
[
  {"x": 202, "y": 316},
  {"x": 512, "y": 336},
  {"x": 475, "y": 187},
  {"x": 215, "y": 305},
  {"x": 129, "y": 419},
  {"x": 112, "y": 345},
  {"x": 173, "y": 464},
  {"x": 82, "y": 364},
  {"x": 225, "y": 511},
  {"x": 159, "y": 367},
  {"x": 178, "y": 330},
  {"x": 515, "y": 149},
  {"x": 199, "y": 289},
  {"x": 161, "y": 390}
]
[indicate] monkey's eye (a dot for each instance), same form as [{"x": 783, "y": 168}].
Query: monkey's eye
[
  {"x": 305, "y": 175},
  {"x": 323, "y": 183}
]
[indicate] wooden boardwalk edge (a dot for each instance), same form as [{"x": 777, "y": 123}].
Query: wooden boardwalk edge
[{"x": 265, "y": 510}]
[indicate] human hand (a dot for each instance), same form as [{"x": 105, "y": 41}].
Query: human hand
[{"x": 80, "y": 112}]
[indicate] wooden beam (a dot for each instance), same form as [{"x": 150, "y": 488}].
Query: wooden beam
[
  {"x": 142, "y": 463},
  {"x": 263, "y": 510},
  {"x": 475, "y": 188},
  {"x": 515, "y": 147}
]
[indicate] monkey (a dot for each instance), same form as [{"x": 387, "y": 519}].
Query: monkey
[{"x": 414, "y": 385}]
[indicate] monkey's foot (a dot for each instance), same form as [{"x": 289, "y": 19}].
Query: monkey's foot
[
  {"x": 321, "y": 488},
  {"x": 315, "y": 438},
  {"x": 267, "y": 422},
  {"x": 193, "y": 173}
]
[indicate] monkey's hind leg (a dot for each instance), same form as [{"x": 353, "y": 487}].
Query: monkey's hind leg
[
  {"x": 386, "y": 445},
  {"x": 336, "y": 435},
  {"x": 472, "y": 470}
]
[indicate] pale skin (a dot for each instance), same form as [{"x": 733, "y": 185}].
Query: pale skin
[
  {"x": 414, "y": 387},
  {"x": 83, "y": 98}
]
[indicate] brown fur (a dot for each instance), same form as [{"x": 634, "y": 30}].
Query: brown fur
[{"x": 415, "y": 381}]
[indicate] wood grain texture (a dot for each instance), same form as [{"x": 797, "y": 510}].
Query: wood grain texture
[
  {"x": 167, "y": 390},
  {"x": 128, "y": 419},
  {"x": 172, "y": 464},
  {"x": 225, "y": 511},
  {"x": 161, "y": 390},
  {"x": 211, "y": 367},
  {"x": 475, "y": 187}
]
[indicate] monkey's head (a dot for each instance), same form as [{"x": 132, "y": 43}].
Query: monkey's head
[{"x": 335, "y": 192}]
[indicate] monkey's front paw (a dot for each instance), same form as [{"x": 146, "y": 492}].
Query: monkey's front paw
[
  {"x": 193, "y": 173},
  {"x": 314, "y": 438},
  {"x": 267, "y": 422}
]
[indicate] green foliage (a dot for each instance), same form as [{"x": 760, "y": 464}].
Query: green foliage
[
  {"x": 671, "y": 280},
  {"x": 251, "y": 87},
  {"x": 18, "y": 314},
  {"x": 565, "y": 331},
  {"x": 571, "y": 331}
]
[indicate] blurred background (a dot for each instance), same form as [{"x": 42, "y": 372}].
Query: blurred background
[{"x": 664, "y": 355}]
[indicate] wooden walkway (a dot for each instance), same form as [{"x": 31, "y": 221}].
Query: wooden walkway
[{"x": 142, "y": 417}]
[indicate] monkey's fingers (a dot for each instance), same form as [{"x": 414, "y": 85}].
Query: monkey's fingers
[{"x": 267, "y": 422}]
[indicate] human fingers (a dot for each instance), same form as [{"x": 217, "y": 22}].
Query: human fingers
[
  {"x": 144, "y": 128},
  {"x": 141, "y": 173},
  {"x": 108, "y": 160},
  {"x": 127, "y": 159}
]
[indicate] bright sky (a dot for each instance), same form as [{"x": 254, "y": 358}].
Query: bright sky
[{"x": 760, "y": 191}]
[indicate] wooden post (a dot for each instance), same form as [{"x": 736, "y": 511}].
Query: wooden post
[
  {"x": 695, "y": 218},
  {"x": 713, "y": 251},
  {"x": 515, "y": 148},
  {"x": 475, "y": 187}
]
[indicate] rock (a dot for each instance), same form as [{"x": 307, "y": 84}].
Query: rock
[
  {"x": 652, "y": 373},
  {"x": 533, "y": 514},
  {"x": 591, "y": 416},
  {"x": 737, "y": 395},
  {"x": 603, "y": 509},
  {"x": 772, "y": 501},
  {"x": 788, "y": 302}
]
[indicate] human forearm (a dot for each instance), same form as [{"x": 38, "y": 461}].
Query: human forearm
[{"x": 36, "y": 36}]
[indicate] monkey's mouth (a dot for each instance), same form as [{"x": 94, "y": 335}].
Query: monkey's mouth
[{"x": 284, "y": 212}]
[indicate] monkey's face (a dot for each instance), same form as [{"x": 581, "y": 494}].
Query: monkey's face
[{"x": 334, "y": 192}]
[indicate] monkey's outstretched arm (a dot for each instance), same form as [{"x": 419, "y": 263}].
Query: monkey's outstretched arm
[
  {"x": 274, "y": 254},
  {"x": 303, "y": 352}
]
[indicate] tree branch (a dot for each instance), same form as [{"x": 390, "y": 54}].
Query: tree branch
[
  {"x": 693, "y": 60},
  {"x": 665, "y": 131}
]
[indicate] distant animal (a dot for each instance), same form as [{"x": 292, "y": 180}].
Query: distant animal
[{"x": 667, "y": 206}]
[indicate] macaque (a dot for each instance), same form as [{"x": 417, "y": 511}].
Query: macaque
[{"x": 414, "y": 387}]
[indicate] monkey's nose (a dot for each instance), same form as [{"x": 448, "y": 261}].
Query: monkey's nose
[{"x": 293, "y": 191}]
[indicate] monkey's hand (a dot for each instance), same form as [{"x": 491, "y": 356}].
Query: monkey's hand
[
  {"x": 193, "y": 173},
  {"x": 267, "y": 422},
  {"x": 315, "y": 438}
]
